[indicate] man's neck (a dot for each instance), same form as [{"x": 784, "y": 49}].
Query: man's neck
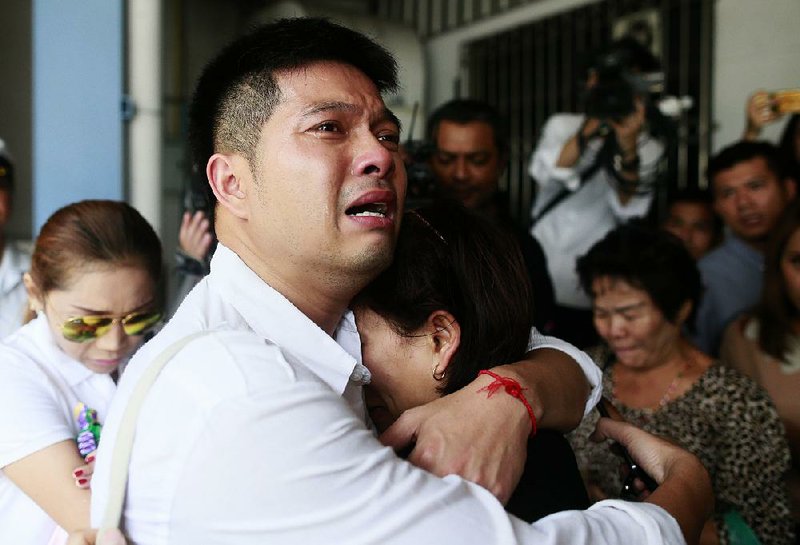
[
  {"x": 759, "y": 245},
  {"x": 322, "y": 299}
]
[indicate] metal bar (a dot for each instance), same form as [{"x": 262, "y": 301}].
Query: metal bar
[{"x": 704, "y": 100}]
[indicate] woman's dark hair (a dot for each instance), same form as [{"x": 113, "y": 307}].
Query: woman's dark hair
[
  {"x": 775, "y": 311},
  {"x": 448, "y": 258},
  {"x": 89, "y": 234},
  {"x": 788, "y": 146},
  {"x": 648, "y": 259}
]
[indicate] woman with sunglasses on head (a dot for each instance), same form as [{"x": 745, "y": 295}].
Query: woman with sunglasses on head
[
  {"x": 456, "y": 300},
  {"x": 644, "y": 286},
  {"x": 93, "y": 284}
]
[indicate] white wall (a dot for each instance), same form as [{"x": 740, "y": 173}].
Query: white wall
[{"x": 757, "y": 46}]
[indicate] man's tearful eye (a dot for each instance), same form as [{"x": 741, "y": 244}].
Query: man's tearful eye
[
  {"x": 390, "y": 140},
  {"x": 373, "y": 209}
]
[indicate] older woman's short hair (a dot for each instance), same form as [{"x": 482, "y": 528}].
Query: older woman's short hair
[{"x": 647, "y": 259}]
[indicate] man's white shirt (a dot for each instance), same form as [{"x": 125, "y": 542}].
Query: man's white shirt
[{"x": 256, "y": 433}]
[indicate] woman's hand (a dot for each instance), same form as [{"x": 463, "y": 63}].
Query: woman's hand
[
  {"x": 83, "y": 474},
  {"x": 194, "y": 237}
]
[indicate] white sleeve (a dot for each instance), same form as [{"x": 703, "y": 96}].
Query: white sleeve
[
  {"x": 294, "y": 466},
  {"x": 556, "y": 133},
  {"x": 31, "y": 413},
  {"x": 588, "y": 366}
]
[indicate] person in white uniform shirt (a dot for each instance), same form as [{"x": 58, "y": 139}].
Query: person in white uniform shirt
[
  {"x": 593, "y": 171},
  {"x": 14, "y": 259},
  {"x": 92, "y": 283},
  {"x": 255, "y": 431}
]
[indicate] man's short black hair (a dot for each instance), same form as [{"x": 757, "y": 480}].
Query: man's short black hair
[
  {"x": 463, "y": 111},
  {"x": 238, "y": 91},
  {"x": 746, "y": 151}
]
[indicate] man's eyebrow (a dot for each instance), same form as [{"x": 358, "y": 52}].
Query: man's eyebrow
[
  {"x": 328, "y": 106},
  {"x": 390, "y": 116}
]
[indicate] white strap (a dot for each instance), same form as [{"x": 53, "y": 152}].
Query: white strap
[{"x": 121, "y": 454}]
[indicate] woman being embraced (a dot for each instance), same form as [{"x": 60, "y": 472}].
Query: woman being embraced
[
  {"x": 765, "y": 345},
  {"x": 455, "y": 299},
  {"x": 644, "y": 287},
  {"x": 93, "y": 286}
]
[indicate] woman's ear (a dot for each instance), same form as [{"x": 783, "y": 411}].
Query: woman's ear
[
  {"x": 445, "y": 339},
  {"x": 228, "y": 174},
  {"x": 35, "y": 298},
  {"x": 684, "y": 312}
]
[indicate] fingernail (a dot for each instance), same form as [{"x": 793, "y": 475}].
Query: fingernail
[
  {"x": 82, "y": 482},
  {"x": 77, "y": 473},
  {"x": 90, "y": 459}
]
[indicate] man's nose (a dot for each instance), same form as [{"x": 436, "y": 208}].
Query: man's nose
[
  {"x": 373, "y": 159},
  {"x": 742, "y": 199},
  {"x": 460, "y": 169}
]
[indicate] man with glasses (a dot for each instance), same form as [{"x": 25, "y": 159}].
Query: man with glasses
[{"x": 256, "y": 431}]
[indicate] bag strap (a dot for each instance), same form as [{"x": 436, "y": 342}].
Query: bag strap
[{"x": 121, "y": 455}]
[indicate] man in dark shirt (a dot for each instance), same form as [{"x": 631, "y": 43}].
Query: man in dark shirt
[{"x": 469, "y": 157}]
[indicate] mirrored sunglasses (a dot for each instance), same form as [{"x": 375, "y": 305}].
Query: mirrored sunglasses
[{"x": 85, "y": 328}]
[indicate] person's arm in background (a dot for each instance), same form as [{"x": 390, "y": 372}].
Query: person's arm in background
[
  {"x": 194, "y": 242},
  {"x": 684, "y": 484},
  {"x": 760, "y": 111},
  {"x": 552, "y": 162},
  {"x": 45, "y": 476},
  {"x": 484, "y": 439},
  {"x": 96, "y": 537}
]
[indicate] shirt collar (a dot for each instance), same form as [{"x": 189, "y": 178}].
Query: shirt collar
[
  {"x": 744, "y": 251},
  {"x": 270, "y": 315}
]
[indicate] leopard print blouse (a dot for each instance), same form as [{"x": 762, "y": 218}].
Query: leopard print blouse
[{"x": 728, "y": 422}]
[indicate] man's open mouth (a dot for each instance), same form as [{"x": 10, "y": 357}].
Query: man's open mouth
[{"x": 372, "y": 209}]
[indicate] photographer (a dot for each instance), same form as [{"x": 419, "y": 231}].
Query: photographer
[{"x": 594, "y": 171}]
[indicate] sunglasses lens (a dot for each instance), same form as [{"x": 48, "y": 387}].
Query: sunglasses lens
[
  {"x": 139, "y": 324},
  {"x": 85, "y": 328}
]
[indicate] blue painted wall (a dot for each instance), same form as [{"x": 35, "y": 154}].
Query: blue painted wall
[{"x": 77, "y": 92}]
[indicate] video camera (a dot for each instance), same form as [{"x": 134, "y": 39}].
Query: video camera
[{"x": 622, "y": 74}]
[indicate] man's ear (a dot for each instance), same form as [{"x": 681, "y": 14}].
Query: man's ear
[
  {"x": 229, "y": 175},
  {"x": 35, "y": 296},
  {"x": 446, "y": 338},
  {"x": 790, "y": 186}
]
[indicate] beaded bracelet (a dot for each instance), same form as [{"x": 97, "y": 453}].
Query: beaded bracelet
[{"x": 512, "y": 388}]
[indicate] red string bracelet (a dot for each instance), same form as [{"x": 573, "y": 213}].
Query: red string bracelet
[{"x": 512, "y": 388}]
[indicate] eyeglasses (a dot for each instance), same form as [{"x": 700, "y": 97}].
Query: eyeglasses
[{"x": 80, "y": 329}]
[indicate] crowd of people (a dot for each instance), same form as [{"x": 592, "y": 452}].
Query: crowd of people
[{"x": 338, "y": 367}]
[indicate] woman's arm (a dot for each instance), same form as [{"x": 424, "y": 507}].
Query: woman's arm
[{"x": 46, "y": 477}]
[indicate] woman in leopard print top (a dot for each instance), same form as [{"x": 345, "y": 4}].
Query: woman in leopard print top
[{"x": 645, "y": 286}]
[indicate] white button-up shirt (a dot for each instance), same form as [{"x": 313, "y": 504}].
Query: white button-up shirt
[
  {"x": 255, "y": 433},
  {"x": 14, "y": 263},
  {"x": 590, "y": 211},
  {"x": 39, "y": 388}
]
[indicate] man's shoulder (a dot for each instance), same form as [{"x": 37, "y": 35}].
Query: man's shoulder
[{"x": 228, "y": 362}]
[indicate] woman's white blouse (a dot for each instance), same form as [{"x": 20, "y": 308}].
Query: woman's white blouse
[{"x": 39, "y": 387}]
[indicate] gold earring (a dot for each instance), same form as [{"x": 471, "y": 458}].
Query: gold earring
[{"x": 437, "y": 376}]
